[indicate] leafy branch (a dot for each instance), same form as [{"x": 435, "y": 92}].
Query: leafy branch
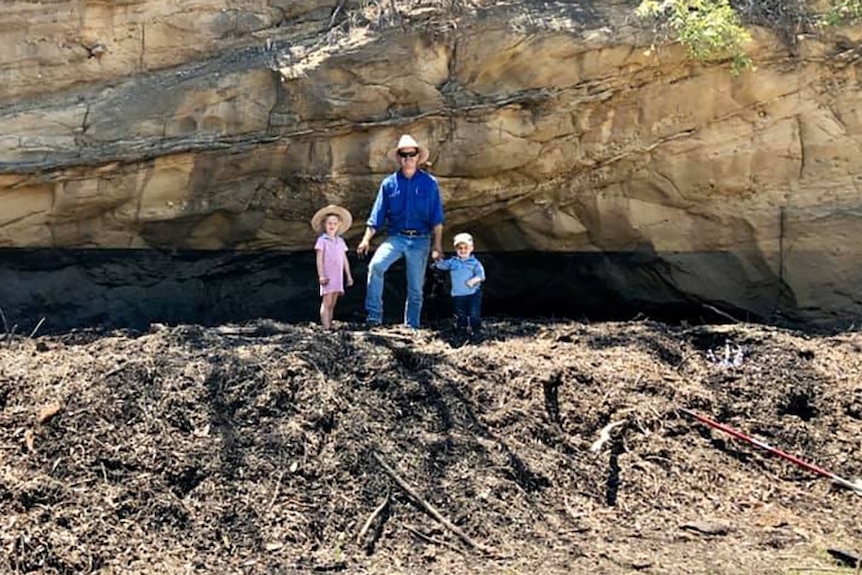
[{"x": 710, "y": 29}]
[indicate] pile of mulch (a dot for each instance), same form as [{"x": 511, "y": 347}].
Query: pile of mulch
[{"x": 551, "y": 447}]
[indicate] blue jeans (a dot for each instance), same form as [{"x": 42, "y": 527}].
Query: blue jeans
[
  {"x": 415, "y": 251},
  {"x": 468, "y": 312}
]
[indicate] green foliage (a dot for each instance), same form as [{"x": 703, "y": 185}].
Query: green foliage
[
  {"x": 710, "y": 29},
  {"x": 844, "y": 11}
]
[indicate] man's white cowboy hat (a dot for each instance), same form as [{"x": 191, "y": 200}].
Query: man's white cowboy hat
[
  {"x": 407, "y": 141},
  {"x": 462, "y": 238},
  {"x": 344, "y": 215}
]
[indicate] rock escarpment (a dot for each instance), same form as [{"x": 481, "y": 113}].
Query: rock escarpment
[{"x": 153, "y": 125}]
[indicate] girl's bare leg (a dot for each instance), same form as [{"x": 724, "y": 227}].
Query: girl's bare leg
[
  {"x": 324, "y": 313},
  {"x": 332, "y": 300},
  {"x": 327, "y": 309}
]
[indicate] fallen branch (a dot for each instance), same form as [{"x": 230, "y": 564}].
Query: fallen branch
[
  {"x": 35, "y": 329},
  {"x": 371, "y": 518},
  {"x": 428, "y": 507},
  {"x": 725, "y": 315},
  {"x": 335, "y": 13}
]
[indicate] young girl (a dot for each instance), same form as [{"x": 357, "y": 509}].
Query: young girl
[{"x": 332, "y": 264}]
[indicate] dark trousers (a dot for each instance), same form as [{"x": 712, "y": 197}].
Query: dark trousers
[{"x": 468, "y": 312}]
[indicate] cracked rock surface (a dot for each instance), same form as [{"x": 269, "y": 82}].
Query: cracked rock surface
[{"x": 552, "y": 127}]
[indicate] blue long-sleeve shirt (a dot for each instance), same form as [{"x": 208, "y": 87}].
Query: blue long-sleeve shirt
[
  {"x": 407, "y": 204},
  {"x": 460, "y": 271}
]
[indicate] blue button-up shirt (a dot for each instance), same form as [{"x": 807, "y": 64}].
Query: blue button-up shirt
[
  {"x": 407, "y": 204},
  {"x": 460, "y": 271}
]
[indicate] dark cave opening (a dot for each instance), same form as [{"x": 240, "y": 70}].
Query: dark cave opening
[{"x": 80, "y": 288}]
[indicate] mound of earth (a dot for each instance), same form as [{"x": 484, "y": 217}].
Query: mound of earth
[{"x": 551, "y": 447}]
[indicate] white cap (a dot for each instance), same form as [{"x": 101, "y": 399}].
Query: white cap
[{"x": 462, "y": 238}]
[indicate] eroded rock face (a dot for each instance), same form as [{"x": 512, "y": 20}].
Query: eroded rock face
[{"x": 225, "y": 125}]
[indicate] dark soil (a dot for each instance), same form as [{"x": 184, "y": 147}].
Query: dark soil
[{"x": 273, "y": 448}]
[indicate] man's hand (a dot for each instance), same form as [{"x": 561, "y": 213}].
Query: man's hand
[
  {"x": 437, "y": 253},
  {"x": 473, "y": 281},
  {"x": 365, "y": 244},
  {"x": 349, "y": 281},
  {"x": 363, "y": 248},
  {"x": 323, "y": 280}
]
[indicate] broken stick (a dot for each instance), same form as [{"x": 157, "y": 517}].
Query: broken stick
[
  {"x": 35, "y": 329},
  {"x": 428, "y": 507},
  {"x": 371, "y": 519},
  {"x": 725, "y": 315}
]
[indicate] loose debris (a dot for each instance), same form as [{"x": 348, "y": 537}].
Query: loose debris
[
  {"x": 604, "y": 436},
  {"x": 47, "y": 412},
  {"x": 854, "y": 486},
  {"x": 432, "y": 511},
  {"x": 264, "y": 449}
]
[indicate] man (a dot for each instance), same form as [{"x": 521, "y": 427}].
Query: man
[{"x": 408, "y": 203}]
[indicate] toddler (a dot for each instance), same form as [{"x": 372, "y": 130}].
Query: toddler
[{"x": 467, "y": 275}]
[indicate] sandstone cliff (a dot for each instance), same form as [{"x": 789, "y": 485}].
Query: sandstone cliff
[{"x": 554, "y": 127}]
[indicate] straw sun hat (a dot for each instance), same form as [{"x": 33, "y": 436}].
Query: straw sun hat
[
  {"x": 407, "y": 141},
  {"x": 320, "y": 215}
]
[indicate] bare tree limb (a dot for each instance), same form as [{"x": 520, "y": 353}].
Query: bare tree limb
[
  {"x": 721, "y": 313},
  {"x": 335, "y": 13},
  {"x": 429, "y": 508},
  {"x": 5, "y": 324},
  {"x": 35, "y": 329},
  {"x": 371, "y": 518}
]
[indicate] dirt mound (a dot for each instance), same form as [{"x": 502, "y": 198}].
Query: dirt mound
[{"x": 271, "y": 448}]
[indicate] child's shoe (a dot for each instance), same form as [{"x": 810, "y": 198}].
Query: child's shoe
[{"x": 460, "y": 338}]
